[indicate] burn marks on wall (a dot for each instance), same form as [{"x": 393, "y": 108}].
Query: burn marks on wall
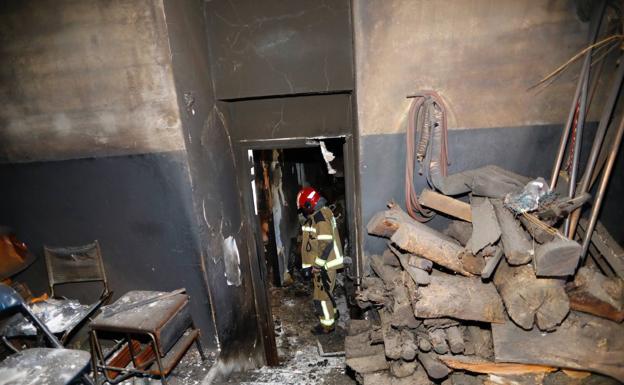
[
  {"x": 280, "y": 47},
  {"x": 82, "y": 79}
]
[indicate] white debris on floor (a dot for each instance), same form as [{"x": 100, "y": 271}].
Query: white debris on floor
[
  {"x": 190, "y": 371},
  {"x": 301, "y": 363}
]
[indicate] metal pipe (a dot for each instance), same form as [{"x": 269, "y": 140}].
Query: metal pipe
[
  {"x": 578, "y": 137},
  {"x": 597, "y": 145},
  {"x": 585, "y": 69},
  {"x": 604, "y": 182}
]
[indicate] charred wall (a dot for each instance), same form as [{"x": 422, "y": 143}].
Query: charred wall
[
  {"x": 224, "y": 256},
  {"x": 285, "y": 68},
  {"x": 482, "y": 57},
  {"x": 85, "y": 78},
  {"x": 92, "y": 147},
  {"x": 280, "y": 47},
  {"x": 138, "y": 207}
]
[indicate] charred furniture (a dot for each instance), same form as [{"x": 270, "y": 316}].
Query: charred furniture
[
  {"x": 52, "y": 366},
  {"x": 158, "y": 330},
  {"x": 63, "y": 316}
]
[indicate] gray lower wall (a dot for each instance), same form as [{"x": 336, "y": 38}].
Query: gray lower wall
[
  {"x": 139, "y": 207},
  {"x": 526, "y": 150}
]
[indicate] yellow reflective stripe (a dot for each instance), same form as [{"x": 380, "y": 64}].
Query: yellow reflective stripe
[
  {"x": 308, "y": 228},
  {"x": 319, "y": 261},
  {"x": 305, "y": 265},
  {"x": 334, "y": 263},
  {"x": 325, "y": 237},
  {"x": 337, "y": 251},
  {"x": 327, "y": 319},
  {"x": 327, "y": 322}
]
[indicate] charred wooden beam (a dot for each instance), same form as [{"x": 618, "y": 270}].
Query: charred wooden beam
[
  {"x": 485, "y": 228},
  {"x": 557, "y": 258},
  {"x": 460, "y": 231},
  {"x": 491, "y": 263},
  {"x": 516, "y": 243},
  {"x": 479, "y": 365},
  {"x": 455, "y": 338},
  {"x": 385, "y": 223},
  {"x": 582, "y": 342},
  {"x": 401, "y": 369},
  {"x": 594, "y": 293},
  {"x": 428, "y": 243},
  {"x": 438, "y": 341},
  {"x": 434, "y": 367},
  {"x": 445, "y": 204},
  {"x": 529, "y": 299},
  {"x": 459, "y": 297},
  {"x": 420, "y": 276}
]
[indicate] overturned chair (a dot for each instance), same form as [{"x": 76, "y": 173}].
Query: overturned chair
[
  {"x": 63, "y": 316},
  {"x": 50, "y": 366}
]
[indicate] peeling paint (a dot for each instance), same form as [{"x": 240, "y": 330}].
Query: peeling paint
[{"x": 232, "y": 262}]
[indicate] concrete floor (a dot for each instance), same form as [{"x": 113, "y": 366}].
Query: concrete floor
[{"x": 300, "y": 362}]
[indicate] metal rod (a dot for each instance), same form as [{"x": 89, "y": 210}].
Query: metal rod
[
  {"x": 585, "y": 69},
  {"x": 597, "y": 145},
  {"x": 578, "y": 137},
  {"x": 604, "y": 182}
]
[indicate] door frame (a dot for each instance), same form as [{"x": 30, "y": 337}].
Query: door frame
[{"x": 256, "y": 253}]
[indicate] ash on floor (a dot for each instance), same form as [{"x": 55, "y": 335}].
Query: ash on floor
[
  {"x": 297, "y": 347},
  {"x": 190, "y": 371}
]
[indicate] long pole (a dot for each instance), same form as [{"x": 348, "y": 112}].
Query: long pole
[
  {"x": 597, "y": 145},
  {"x": 596, "y": 19},
  {"x": 604, "y": 182},
  {"x": 578, "y": 138}
]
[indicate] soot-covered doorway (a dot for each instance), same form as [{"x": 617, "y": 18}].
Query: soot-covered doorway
[{"x": 275, "y": 172}]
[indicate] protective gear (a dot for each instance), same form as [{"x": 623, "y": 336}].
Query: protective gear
[
  {"x": 307, "y": 199},
  {"x": 321, "y": 249}
]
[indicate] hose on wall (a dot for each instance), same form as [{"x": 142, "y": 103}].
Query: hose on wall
[{"x": 427, "y": 144}]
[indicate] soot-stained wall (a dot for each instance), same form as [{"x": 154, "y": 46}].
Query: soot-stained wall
[
  {"x": 482, "y": 57},
  {"x": 280, "y": 47},
  {"x": 87, "y": 96},
  {"x": 215, "y": 190},
  {"x": 291, "y": 117},
  {"x": 85, "y": 78},
  {"x": 138, "y": 207}
]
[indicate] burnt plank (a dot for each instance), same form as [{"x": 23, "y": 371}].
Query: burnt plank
[
  {"x": 516, "y": 243},
  {"x": 485, "y": 228},
  {"x": 459, "y": 297},
  {"x": 582, "y": 342},
  {"x": 594, "y": 293},
  {"x": 557, "y": 258},
  {"x": 528, "y": 298},
  {"x": 428, "y": 243}
]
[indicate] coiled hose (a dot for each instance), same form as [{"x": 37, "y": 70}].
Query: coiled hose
[{"x": 427, "y": 135}]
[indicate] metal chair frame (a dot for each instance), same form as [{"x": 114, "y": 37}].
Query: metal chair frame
[
  {"x": 10, "y": 301},
  {"x": 53, "y": 280}
]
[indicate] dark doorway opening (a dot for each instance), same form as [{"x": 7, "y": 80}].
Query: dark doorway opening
[
  {"x": 279, "y": 175},
  {"x": 277, "y": 170}
]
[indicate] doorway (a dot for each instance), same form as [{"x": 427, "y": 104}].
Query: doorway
[{"x": 275, "y": 172}]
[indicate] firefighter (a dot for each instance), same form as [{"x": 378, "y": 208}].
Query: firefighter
[{"x": 321, "y": 253}]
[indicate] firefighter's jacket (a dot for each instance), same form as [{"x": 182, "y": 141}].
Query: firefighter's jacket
[{"x": 321, "y": 245}]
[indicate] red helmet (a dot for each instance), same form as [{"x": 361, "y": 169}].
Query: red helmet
[{"x": 307, "y": 198}]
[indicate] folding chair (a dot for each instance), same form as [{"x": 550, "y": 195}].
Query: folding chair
[
  {"x": 75, "y": 264},
  {"x": 65, "y": 265},
  {"x": 50, "y": 366}
]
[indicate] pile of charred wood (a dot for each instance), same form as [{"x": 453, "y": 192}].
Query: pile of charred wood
[{"x": 496, "y": 298}]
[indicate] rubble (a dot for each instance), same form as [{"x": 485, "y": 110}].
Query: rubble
[{"x": 485, "y": 301}]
